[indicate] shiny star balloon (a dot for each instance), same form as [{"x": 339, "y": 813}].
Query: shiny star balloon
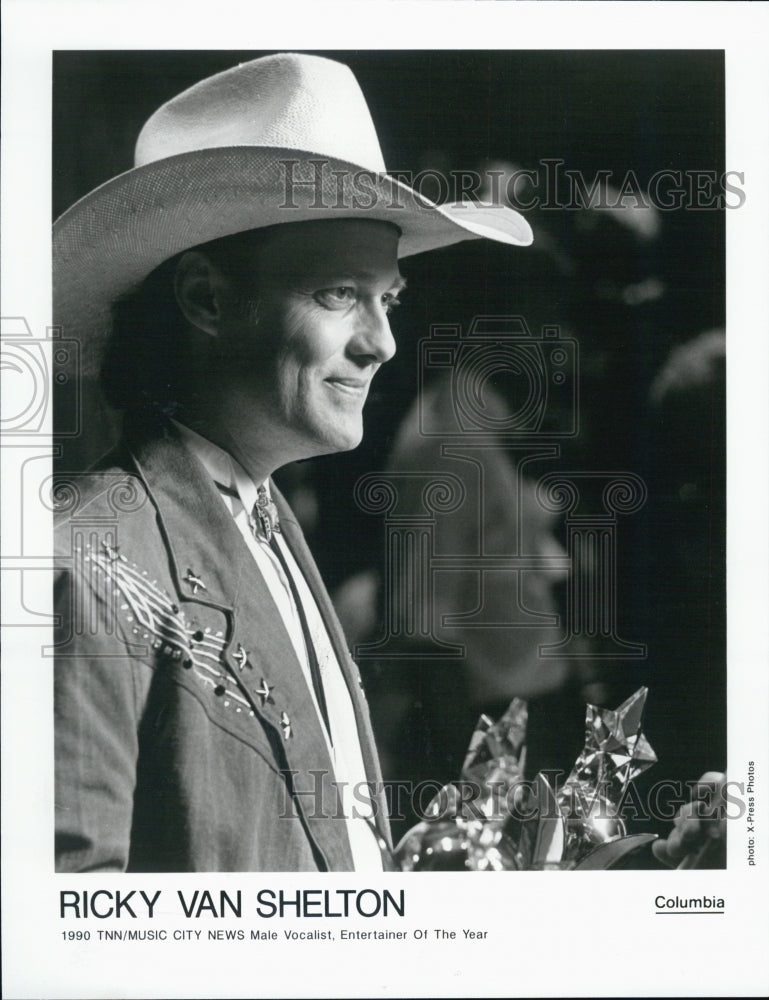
[
  {"x": 498, "y": 746},
  {"x": 508, "y": 824},
  {"x": 616, "y": 751}
]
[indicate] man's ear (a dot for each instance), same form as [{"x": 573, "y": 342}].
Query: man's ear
[{"x": 201, "y": 291}]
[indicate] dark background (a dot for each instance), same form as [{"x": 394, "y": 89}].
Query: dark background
[
  {"x": 617, "y": 111},
  {"x": 611, "y": 110}
]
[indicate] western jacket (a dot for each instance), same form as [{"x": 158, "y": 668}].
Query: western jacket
[{"x": 185, "y": 735}]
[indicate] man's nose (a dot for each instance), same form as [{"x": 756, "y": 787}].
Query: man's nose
[{"x": 373, "y": 339}]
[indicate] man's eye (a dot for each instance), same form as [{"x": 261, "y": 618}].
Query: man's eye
[
  {"x": 390, "y": 302},
  {"x": 336, "y": 298}
]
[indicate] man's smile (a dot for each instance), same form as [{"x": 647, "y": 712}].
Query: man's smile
[{"x": 349, "y": 386}]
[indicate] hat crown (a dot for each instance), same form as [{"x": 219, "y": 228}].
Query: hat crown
[
  {"x": 289, "y": 100},
  {"x": 213, "y": 161}
]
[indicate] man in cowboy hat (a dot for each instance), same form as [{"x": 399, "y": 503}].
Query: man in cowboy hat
[{"x": 234, "y": 288}]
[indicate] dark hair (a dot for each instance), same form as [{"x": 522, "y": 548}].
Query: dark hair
[
  {"x": 140, "y": 367},
  {"x": 147, "y": 359}
]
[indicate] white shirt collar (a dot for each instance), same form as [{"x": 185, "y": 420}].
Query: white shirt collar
[{"x": 221, "y": 466}]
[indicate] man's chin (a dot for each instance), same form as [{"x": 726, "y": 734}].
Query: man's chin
[
  {"x": 350, "y": 442},
  {"x": 339, "y": 439}
]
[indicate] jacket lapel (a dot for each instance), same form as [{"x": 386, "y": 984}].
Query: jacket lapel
[
  {"x": 206, "y": 546},
  {"x": 208, "y": 557}
]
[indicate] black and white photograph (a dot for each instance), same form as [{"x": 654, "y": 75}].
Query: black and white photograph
[{"x": 380, "y": 499}]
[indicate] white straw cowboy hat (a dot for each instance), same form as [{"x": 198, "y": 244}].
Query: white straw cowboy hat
[{"x": 285, "y": 138}]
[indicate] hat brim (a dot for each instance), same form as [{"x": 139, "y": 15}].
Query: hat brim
[{"x": 111, "y": 239}]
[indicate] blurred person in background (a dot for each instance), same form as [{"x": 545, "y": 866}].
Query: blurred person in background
[{"x": 424, "y": 709}]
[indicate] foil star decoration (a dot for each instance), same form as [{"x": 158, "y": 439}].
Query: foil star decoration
[
  {"x": 493, "y": 765},
  {"x": 498, "y": 745},
  {"x": 616, "y": 750},
  {"x": 264, "y": 692},
  {"x": 509, "y": 824}
]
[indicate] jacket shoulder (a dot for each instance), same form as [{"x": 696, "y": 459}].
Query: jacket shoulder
[{"x": 101, "y": 496}]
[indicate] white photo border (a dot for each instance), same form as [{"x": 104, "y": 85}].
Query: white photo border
[{"x": 590, "y": 935}]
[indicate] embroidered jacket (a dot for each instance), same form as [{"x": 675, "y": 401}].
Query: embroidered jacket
[{"x": 186, "y": 737}]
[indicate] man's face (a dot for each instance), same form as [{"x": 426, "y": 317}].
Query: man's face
[{"x": 300, "y": 356}]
